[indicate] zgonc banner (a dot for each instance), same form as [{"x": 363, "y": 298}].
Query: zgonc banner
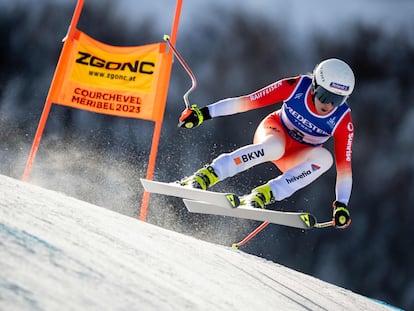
[{"x": 106, "y": 79}]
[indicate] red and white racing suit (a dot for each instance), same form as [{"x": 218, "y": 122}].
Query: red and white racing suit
[{"x": 291, "y": 138}]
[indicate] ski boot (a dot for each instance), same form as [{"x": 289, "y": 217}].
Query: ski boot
[
  {"x": 259, "y": 197},
  {"x": 203, "y": 179}
]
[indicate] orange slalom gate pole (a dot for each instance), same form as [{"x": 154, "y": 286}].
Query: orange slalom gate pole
[
  {"x": 158, "y": 124},
  {"x": 151, "y": 168},
  {"x": 48, "y": 103}
]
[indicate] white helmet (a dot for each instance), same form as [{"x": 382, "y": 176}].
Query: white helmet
[{"x": 333, "y": 81}]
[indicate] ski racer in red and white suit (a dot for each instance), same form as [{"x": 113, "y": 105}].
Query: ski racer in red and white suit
[{"x": 291, "y": 138}]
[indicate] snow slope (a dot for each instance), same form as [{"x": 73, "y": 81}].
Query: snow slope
[{"x": 59, "y": 253}]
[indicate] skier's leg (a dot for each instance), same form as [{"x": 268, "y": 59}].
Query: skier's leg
[
  {"x": 300, "y": 170},
  {"x": 269, "y": 145},
  {"x": 230, "y": 164}
]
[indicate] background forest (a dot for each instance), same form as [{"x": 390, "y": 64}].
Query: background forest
[{"x": 100, "y": 158}]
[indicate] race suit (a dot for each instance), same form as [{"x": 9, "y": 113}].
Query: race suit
[{"x": 291, "y": 138}]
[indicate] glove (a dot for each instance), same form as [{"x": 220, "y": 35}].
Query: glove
[
  {"x": 193, "y": 117},
  {"x": 341, "y": 215}
]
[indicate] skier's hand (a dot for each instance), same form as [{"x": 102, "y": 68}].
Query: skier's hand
[
  {"x": 193, "y": 117},
  {"x": 341, "y": 215}
]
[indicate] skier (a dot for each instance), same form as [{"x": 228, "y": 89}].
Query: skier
[{"x": 314, "y": 109}]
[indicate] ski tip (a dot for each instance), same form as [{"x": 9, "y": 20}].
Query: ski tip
[
  {"x": 233, "y": 199},
  {"x": 308, "y": 219},
  {"x": 234, "y": 246}
]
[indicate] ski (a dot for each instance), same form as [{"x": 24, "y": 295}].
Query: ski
[
  {"x": 224, "y": 200},
  {"x": 218, "y": 203},
  {"x": 301, "y": 220}
]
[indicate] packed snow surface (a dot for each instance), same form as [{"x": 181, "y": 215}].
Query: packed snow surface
[{"x": 59, "y": 253}]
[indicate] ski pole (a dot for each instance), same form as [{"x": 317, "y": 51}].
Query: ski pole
[
  {"x": 318, "y": 225},
  {"x": 186, "y": 67},
  {"x": 251, "y": 235},
  {"x": 324, "y": 224}
]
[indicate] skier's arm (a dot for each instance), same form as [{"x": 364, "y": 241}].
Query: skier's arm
[
  {"x": 343, "y": 136},
  {"x": 271, "y": 94}
]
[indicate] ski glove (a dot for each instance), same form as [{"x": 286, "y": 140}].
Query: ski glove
[
  {"x": 341, "y": 215},
  {"x": 193, "y": 117}
]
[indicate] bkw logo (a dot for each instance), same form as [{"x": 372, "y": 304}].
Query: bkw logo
[{"x": 249, "y": 156}]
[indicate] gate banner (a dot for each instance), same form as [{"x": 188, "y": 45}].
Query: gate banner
[{"x": 120, "y": 81}]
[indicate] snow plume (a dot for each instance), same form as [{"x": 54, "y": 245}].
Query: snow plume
[
  {"x": 91, "y": 177},
  {"x": 103, "y": 170},
  {"x": 58, "y": 252}
]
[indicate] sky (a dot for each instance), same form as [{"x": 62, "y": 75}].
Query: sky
[{"x": 59, "y": 253}]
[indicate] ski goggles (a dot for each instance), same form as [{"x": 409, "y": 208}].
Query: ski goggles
[{"x": 326, "y": 97}]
